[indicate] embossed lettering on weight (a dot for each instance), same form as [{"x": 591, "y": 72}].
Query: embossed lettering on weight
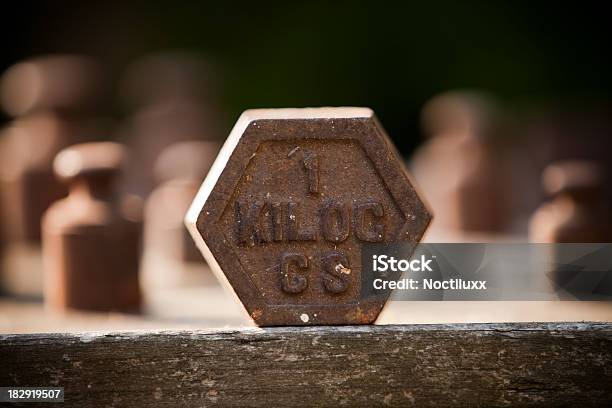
[
  {"x": 311, "y": 164},
  {"x": 261, "y": 222},
  {"x": 335, "y": 221},
  {"x": 295, "y": 231},
  {"x": 369, "y": 221},
  {"x": 335, "y": 272},
  {"x": 258, "y": 222},
  {"x": 247, "y": 222},
  {"x": 292, "y": 281},
  {"x": 277, "y": 221}
]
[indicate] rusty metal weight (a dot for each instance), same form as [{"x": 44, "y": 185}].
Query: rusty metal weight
[{"x": 291, "y": 199}]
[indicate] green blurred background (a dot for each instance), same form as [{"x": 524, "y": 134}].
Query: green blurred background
[{"x": 389, "y": 57}]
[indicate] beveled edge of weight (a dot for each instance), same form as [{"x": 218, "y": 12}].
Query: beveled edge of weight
[{"x": 193, "y": 213}]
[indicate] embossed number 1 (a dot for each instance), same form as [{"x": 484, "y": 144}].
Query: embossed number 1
[
  {"x": 311, "y": 164},
  {"x": 335, "y": 271}
]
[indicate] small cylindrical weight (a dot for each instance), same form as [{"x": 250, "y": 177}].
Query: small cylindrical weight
[{"x": 91, "y": 239}]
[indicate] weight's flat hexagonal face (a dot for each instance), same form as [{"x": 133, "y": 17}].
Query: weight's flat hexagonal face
[{"x": 288, "y": 205}]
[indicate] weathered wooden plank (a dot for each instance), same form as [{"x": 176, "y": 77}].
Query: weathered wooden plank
[{"x": 425, "y": 365}]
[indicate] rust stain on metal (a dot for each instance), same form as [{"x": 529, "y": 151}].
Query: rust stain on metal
[{"x": 290, "y": 202}]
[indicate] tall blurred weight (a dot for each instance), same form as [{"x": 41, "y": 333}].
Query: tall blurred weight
[
  {"x": 577, "y": 212},
  {"x": 91, "y": 239},
  {"x": 179, "y": 170},
  {"x": 171, "y": 258},
  {"x": 460, "y": 167}
]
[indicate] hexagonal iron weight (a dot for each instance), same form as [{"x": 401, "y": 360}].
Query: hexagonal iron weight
[{"x": 288, "y": 204}]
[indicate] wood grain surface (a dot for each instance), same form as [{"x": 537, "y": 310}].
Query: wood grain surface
[{"x": 558, "y": 364}]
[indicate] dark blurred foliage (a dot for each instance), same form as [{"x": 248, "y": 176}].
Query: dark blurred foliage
[{"x": 386, "y": 56}]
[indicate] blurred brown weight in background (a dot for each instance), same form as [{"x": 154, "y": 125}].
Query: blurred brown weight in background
[
  {"x": 170, "y": 252},
  {"x": 180, "y": 170},
  {"x": 461, "y": 168},
  {"x": 578, "y": 210},
  {"x": 54, "y": 101},
  {"x": 91, "y": 239},
  {"x": 173, "y": 97}
]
